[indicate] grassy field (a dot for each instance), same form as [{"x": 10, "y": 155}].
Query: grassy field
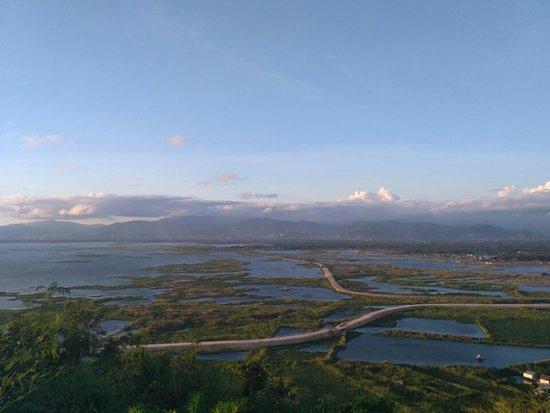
[{"x": 527, "y": 327}]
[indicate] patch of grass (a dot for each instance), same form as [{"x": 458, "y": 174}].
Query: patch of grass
[{"x": 527, "y": 327}]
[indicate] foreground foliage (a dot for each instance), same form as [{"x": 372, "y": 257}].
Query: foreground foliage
[{"x": 59, "y": 361}]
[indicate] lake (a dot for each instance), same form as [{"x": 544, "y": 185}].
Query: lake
[
  {"x": 439, "y": 326},
  {"x": 9, "y": 303},
  {"x": 373, "y": 346},
  {"x": 535, "y": 288},
  {"x": 26, "y": 266},
  {"x": 419, "y": 263},
  {"x": 423, "y": 289},
  {"x": 114, "y": 326}
]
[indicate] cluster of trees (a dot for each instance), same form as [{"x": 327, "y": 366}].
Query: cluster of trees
[
  {"x": 59, "y": 360},
  {"x": 514, "y": 251},
  {"x": 56, "y": 358}
]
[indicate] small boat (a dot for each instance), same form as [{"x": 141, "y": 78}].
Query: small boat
[{"x": 479, "y": 358}]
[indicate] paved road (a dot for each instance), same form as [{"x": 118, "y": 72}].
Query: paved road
[{"x": 238, "y": 345}]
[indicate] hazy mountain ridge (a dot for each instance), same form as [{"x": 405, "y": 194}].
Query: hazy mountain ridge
[{"x": 215, "y": 228}]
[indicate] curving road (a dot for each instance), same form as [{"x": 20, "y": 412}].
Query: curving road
[{"x": 237, "y": 345}]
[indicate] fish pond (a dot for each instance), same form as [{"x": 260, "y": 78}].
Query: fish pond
[
  {"x": 439, "y": 326},
  {"x": 425, "y": 289},
  {"x": 374, "y": 346}
]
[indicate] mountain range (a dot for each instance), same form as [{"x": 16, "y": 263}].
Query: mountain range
[{"x": 217, "y": 228}]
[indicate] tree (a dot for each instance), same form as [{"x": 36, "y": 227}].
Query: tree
[
  {"x": 38, "y": 345},
  {"x": 255, "y": 377},
  {"x": 228, "y": 407},
  {"x": 52, "y": 290}
]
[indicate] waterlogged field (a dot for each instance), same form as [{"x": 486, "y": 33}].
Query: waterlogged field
[
  {"x": 419, "y": 275},
  {"x": 184, "y": 292}
]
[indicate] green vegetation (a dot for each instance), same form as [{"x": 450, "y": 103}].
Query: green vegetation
[
  {"x": 163, "y": 322},
  {"x": 526, "y": 327},
  {"x": 212, "y": 266},
  {"x": 58, "y": 361},
  {"x": 473, "y": 280},
  {"x": 505, "y": 251}
]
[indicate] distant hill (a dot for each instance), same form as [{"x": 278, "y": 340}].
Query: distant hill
[
  {"x": 212, "y": 228},
  {"x": 392, "y": 230},
  {"x": 46, "y": 230}
]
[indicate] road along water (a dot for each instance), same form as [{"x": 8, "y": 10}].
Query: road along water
[{"x": 324, "y": 333}]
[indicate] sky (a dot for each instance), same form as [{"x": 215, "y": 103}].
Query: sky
[{"x": 280, "y": 104}]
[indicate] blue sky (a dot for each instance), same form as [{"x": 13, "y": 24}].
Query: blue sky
[{"x": 308, "y": 100}]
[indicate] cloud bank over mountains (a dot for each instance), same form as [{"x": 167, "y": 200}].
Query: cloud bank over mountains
[
  {"x": 529, "y": 207},
  {"x": 383, "y": 194}
]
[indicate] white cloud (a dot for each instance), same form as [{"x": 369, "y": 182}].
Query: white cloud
[
  {"x": 543, "y": 188},
  {"x": 360, "y": 196},
  {"x": 386, "y": 195},
  {"x": 250, "y": 195},
  {"x": 360, "y": 205},
  {"x": 506, "y": 191},
  {"x": 78, "y": 210},
  {"x": 34, "y": 141},
  {"x": 382, "y": 195},
  {"x": 177, "y": 141},
  {"x": 116, "y": 207}
]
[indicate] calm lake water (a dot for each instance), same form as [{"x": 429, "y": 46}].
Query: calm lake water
[
  {"x": 535, "y": 288},
  {"x": 9, "y": 303},
  {"x": 425, "y": 289},
  {"x": 439, "y": 326},
  {"x": 373, "y": 346},
  {"x": 114, "y": 326},
  {"x": 427, "y": 264},
  {"x": 26, "y": 266},
  {"x": 144, "y": 293}
]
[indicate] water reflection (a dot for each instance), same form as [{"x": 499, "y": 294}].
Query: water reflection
[
  {"x": 425, "y": 289},
  {"x": 439, "y": 326},
  {"x": 114, "y": 326},
  {"x": 10, "y": 303},
  {"x": 532, "y": 288},
  {"x": 419, "y": 263},
  {"x": 25, "y": 266},
  {"x": 373, "y": 346}
]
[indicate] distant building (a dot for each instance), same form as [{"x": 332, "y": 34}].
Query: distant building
[
  {"x": 529, "y": 375},
  {"x": 544, "y": 380}
]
